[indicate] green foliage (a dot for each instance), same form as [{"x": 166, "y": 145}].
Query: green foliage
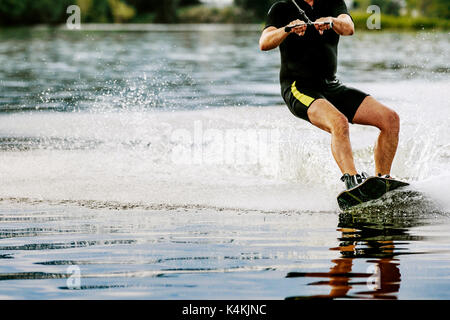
[
  {"x": 54, "y": 11},
  {"x": 430, "y": 8},
  {"x": 95, "y": 10},
  {"x": 257, "y": 7},
  {"x": 166, "y": 11},
  {"x": 405, "y": 22},
  {"x": 120, "y": 11},
  {"x": 146, "y": 6},
  {"x": 11, "y": 11},
  {"x": 184, "y": 3},
  {"x": 391, "y": 7},
  {"x": 203, "y": 14},
  {"x": 427, "y": 8},
  {"x": 30, "y": 11},
  {"x": 22, "y": 12},
  {"x": 162, "y": 11}
]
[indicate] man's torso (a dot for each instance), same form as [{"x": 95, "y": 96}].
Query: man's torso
[{"x": 312, "y": 57}]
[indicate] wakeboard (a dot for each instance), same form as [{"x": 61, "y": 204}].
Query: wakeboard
[{"x": 371, "y": 189}]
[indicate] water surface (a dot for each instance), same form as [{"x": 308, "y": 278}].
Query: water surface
[{"x": 129, "y": 158}]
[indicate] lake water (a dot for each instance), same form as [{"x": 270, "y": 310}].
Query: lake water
[{"x": 164, "y": 165}]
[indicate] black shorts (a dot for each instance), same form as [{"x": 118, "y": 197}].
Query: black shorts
[{"x": 299, "y": 97}]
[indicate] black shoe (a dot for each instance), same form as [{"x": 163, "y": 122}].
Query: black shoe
[{"x": 353, "y": 181}]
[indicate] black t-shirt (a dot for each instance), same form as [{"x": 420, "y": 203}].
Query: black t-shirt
[{"x": 312, "y": 57}]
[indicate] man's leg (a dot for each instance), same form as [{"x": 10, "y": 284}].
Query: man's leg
[
  {"x": 373, "y": 113},
  {"x": 325, "y": 116}
]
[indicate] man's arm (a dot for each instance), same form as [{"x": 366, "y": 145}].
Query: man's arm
[
  {"x": 272, "y": 37},
  {"x": 342, "y": 25}
]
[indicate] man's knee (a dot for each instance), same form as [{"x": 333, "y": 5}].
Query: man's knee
[
  {"x": 339, "y": 125},
  {"x": 325, "y": 116},
  {"x": 391, "y": 122}
]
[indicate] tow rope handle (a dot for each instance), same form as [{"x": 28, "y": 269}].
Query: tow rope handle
[
  {"x": 307, "y": 20},
  {"x": 289, "y": 29}
]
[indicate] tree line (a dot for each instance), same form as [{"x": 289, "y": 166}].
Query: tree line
[
  {"x": 426, "y": 8},
  {"x": 22, "y": 12}
]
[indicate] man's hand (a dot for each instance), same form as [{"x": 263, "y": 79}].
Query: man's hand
[
  {"x": 342, "y": 25},
  {"x": 272, "y": 37},
  {"x": 300, "y": 28},
  {"x": 325, "y": 26}
]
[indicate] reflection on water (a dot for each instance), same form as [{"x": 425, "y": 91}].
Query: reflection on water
[
  {"x": 198, "y": 253},
  {"x": 379, "y": 238}
]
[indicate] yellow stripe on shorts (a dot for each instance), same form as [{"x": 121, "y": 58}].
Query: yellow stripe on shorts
[{"x": 303, "y": 98}]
